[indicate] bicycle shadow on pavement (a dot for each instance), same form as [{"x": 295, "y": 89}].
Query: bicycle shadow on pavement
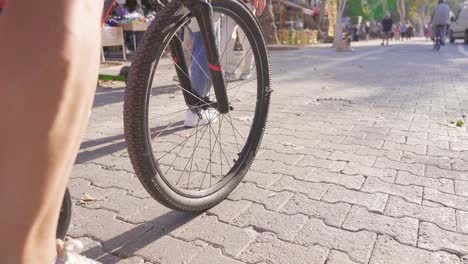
[
  {"x": 130, "y": 242},
  {"x": 117, "y": 143}
]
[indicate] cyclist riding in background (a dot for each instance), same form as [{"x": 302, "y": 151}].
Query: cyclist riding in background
[
  {"x": 440, "y": 19},
  {"x": 47, "y": 90}
]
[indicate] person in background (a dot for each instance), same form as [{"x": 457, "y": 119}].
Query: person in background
[
  {"x": 121, "y": 10},
  {"x": 387, "y": 25},
  {"x": 367, "y": 30},
  {"x": 398, "y": 32},
  {"x": 200, "y": 73},
  {"x": 440, "y": 19},
  {"x": 409, "y": 32},
  {"x": 230, "y": 33},
  {"x": 404, "y": 29}
]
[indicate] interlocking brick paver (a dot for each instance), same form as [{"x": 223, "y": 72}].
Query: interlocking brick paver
[
  {"x": 93, "y": 249},
  {"x": 368, "y": 129},
  {"x": 358, "y": 245},
  {"x": 442, "y": 216},
  {"x": 310, "y": 161},
  {"x": 441, "y": 162},
  {"x": 410, "y": 193},
  {"x": 377, "y": 144},
  {"x": 461, "y": 188},
  {"x": 443, "y": 185},
  {"x": 284, "y": 226},
  {"x": 394, "y": 138},
  {"x": 262, "y": 180},
  {"x": 337, "y": 257},
  {"x": 460, "y": 165},
  {"x": 332, "y": 214},
  {"x": 367, "y": 151},
  {"x": 271, "y": 199},
  {"x": 389, "y": 251},
  {"x": 459, "y": 146},
  {"x": 357, "y": 169},
  {"x": 269, "y": 249},
  {"x": 450, "y": 200},
  {"x": 227, "y": 210},
  {"x": 351, "y": 182},
  {"x": 85, "y": 187},
  {"x": 419, "y": 149},
  {"x": 344, "y": 156},
  {"x": 312, "y": 189},
  {"x": 169, "y": 249},
  {"x": 441, "y": 131},
  {"x": 289, "y": 159},
  {"x": 101, "y": 225},
  {"x": 435, "y": 172},
  {"x": 268, "y": 166},
  {"x": 438, "y": 152},
  {"x": 132, "y": 260},
  {"x": 373, "y": 201},
  {"x": 385, "y": 163},
  {"x": 406, "y": 133},
  {"x": 232, "y": 239},
  {"x": 103, "y": 178},
  {"x": 211, "y": 254},
  {"x": 462, "y": 221},
  {"x": 404, "y": 229},
  {"x": 435, "y": 143},
  {"x": 433, "y": 238}
]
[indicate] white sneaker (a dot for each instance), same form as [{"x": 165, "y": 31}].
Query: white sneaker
[
  {"x": 66, "y": 252},
  {"x": 200, "y": 117},
  {"x": 246, "y": 76}
]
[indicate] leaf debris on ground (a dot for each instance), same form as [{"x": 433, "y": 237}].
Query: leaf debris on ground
[{"x": 86, "y": 199}]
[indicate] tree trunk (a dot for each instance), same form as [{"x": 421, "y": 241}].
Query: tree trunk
[
  {"x": 267, "y": 23},
  {"x": 338, "y": 27},
  {"x": 321, "y": 18},
  {"x": 401, "y": 6},
  {"x": 338, "y": 34}
]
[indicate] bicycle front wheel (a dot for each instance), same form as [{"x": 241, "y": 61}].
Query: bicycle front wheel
[{"x": 193, "y": 169}]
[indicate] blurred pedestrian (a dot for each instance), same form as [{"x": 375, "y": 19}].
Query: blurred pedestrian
[
  {"x": 404, "y": 29},
  {"x": 387, "y": 25}
]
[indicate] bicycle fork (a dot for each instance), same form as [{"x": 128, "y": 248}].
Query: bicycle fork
[{"x": 203, "y": 12}]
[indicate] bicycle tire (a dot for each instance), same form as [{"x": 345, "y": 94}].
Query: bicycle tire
[
  {"x": 138, "y": 93},
  {"x": 65, "y": 215}
]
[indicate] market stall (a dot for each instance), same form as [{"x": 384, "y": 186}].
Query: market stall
[
  {"x": 295, "y": 23},
  {"x": 123, "y": 26}
]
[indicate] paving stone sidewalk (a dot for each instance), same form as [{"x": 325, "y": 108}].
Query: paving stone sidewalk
[{"x": 359, "y": 164}]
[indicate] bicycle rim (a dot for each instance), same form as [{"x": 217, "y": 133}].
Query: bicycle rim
[{"x": 207, "y": 161}]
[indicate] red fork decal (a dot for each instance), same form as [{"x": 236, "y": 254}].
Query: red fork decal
[{"x": 217, "y": 68}]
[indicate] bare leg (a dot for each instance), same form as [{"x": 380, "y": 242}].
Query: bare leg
[{"x": 49, "y": 57}]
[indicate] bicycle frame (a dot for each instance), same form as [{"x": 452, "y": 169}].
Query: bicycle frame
[{"x": 203, "y": 13}]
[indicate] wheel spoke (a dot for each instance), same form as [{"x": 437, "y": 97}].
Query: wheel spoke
[{"x": 202, "y": 160}]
